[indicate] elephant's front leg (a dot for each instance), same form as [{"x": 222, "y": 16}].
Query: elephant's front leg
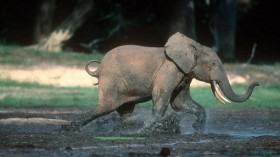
[
  {"x": 182, "y": 101},
  {"x": 167, "y": 79},
  {"x": 161, "y": 99},
  {"x": 160, "y": 103}
]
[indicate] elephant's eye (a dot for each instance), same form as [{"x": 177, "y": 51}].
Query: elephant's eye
[{"x": 213, "y": 63}]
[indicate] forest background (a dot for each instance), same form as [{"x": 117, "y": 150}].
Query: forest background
[{"x": 234, "y": 28}]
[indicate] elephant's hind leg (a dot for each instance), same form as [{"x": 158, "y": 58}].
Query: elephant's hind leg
[
  {"x": 126, "y": 110},
  {"x": 109, "y": 101},
  {"x": 85, "y": 118},
  {"x": 128, "y": 121}
]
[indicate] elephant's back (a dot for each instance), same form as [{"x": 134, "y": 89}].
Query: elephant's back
[
  {"x": 131, "y": 64},
  {"x": 134, "y": 51},
  {"x": 134, "y": 55}
]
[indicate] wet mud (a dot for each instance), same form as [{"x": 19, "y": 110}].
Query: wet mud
[{"x": 35, "y": 132}]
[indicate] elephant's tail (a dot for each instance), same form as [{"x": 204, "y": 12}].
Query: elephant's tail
[{"x": 95, "y": 66}]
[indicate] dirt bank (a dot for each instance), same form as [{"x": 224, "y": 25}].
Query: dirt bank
[{"x": 59, "y": 75}]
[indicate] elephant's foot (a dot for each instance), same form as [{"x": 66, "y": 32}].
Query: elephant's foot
[
  {"x": 199, "y": 125},
  {"x": 74, "y": 127},
  {"x": 167, "y": 125},
  {"x": 147, "y": 129},
  {"x": 131, "y": 125}
]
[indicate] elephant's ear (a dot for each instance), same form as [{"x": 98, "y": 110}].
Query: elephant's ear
[{"x": 181, "y": 51}]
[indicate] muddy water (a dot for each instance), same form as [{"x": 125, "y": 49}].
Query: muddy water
[
  {"x": 33, "y": 132},
  {"x": 240, "y": 123}
]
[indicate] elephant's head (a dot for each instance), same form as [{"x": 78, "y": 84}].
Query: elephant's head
[{"x": 203, "y": 64}]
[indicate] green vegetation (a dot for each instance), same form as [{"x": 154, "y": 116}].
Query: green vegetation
[
  {"x": 17, "y": 94},
  {"x": 118, "y": 138},
  {"x": 18, "y": 56}
]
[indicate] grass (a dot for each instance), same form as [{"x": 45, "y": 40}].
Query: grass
[
  {"x": 17, "y": 94},
  {"x": 17, "y": 56},
  {"x": 118, "y": 138}
]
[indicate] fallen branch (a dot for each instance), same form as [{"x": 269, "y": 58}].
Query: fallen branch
[{"x": 252, "y": 54}]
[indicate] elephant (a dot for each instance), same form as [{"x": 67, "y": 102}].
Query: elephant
[{"x": 131, "y": 74}]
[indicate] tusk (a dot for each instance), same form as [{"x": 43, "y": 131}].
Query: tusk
[
  {"x": 216, "y": 94},
  {"x": 219, "y": 96}
]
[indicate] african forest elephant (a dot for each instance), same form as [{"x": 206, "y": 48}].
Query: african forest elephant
[{"x": 131, "y": 74}]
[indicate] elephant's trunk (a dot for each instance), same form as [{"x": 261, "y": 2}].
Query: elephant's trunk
[{"x": 228, "y": 92}]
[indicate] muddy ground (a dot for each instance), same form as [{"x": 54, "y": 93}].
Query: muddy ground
[{"x": 34, "y": 132}]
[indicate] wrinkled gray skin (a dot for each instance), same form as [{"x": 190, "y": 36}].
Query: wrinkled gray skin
[{"x": 131, "y": 74}]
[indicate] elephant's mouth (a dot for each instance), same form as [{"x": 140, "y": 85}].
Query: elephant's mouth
[{"x": 216, "y": 91}]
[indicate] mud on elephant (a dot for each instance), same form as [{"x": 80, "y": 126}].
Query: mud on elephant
[{"x": 131, "y": 74}]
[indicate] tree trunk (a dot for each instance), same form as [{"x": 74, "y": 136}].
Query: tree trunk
[
  {"x": 183, "y": 19},
  {"x": 65, "y": 31},
  {"x": 223, "y": 27},
  {"x": 43, "y": 25}
]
